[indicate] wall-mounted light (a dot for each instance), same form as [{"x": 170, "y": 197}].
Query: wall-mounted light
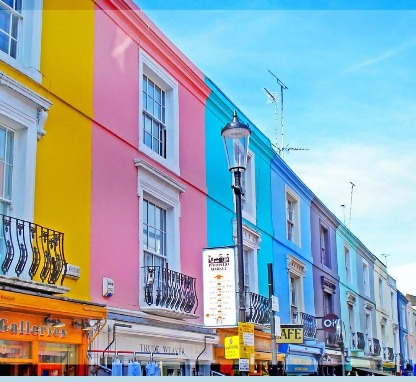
[
  {"x": 54, "y": 323},
  {"x": 83, "y": 324}
]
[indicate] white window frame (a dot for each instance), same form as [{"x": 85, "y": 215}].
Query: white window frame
[
  {"x": 154, "y": 71},
  {"x": 366, "y": 278},
  {"x": 381, "y": 292},
  {"x": 27, "y": 60},
  {"x": 290, "y": 195},
  {"x": 296, "y": 269},
  {"x": 347, "y": 260},
  {"x": 248, "y": 179},
  {"x": 24, "y": 112}
]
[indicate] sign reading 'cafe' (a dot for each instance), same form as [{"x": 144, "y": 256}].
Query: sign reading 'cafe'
[{"x": 26, "y": 328}]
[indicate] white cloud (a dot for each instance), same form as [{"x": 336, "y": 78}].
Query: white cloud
[{"x": 405, "y": 277}]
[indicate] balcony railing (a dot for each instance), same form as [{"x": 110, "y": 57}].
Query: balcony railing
[
  {"x": 170, "y": 290},
  {"x": 32, "y": 252},
  {"x": 376, "y": 346},
  {"x": 390, "y": 354},
  {"x": 353, "y": 340},
  {"x": 309, "y": 325},
  {"x": 360, "y": 341},
  {"x": 258, "y": 311}
]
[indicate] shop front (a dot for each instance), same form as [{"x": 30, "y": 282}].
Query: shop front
[
  {"x": 259, "y": 362},
  {"x": 165, "y": 348},
  {"x": 45, "y": 336},
  {"x": 300, "y": 359}
]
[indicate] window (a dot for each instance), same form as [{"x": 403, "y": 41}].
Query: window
[
  {"x": 6, "y": 167},
  {"x": 392, "y": 305},
  {"x": 325, "y": 252},
  {"x": 328, "y": 303},
  {"x": 347, "y": 264},
  {"x": 296, "y": 270},
  {"x": 381, "y": 292},
  {"x": 154, "y": 234},
  {"x": 10, "y": 17},
  {"x": 248, "y": 199},
  {"x": 159, "y": 213},
  {"x": 292, "y": 217},
  {"x": 366, "y": 279},
  {"x": 404, "y": 317},
  {"x": 351, "y": 320},
  {"x": 159, "y": 116},
  {"x": 251, "y": 241},
  {"x": 20, "y": 35},
  {"x": 383, "y": 336}
]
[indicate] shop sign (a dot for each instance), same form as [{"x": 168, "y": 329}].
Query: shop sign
[
  {"x": 246, "y": 338},
  {"x": 290, "y": 334},
  {"x": 23, "y": 327},
  {"x": 232, "y": 347},
  {"x": 329, "y": 322},
  {"x": 300, "y": 364},
  {"x": 219, "y": 287}
]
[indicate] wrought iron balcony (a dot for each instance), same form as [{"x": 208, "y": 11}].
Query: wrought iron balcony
[
  {"x": 309, "y": 325},
  {"x": 390, "y": 354},
  {"x": 331, "y": 340},
  {"x": 169, "y": 292},
  {"x": 360, "y": 341},
  {"x": 376, "y": 346},
  {"x": 353, "y": 340},
  {"x": 30, "y": 251},
  {"x": 258, "y": 311}
]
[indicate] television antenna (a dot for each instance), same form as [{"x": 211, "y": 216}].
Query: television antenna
[
  {"x": 385, "y": 258},
  {"x": 343, "y": 209},
  {"x": 352, "y": 189},
  {"x": 273, "y": 97}
]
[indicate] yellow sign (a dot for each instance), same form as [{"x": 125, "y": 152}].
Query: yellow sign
[
  {"x": 245, "y": 327},
  {"x": 290, "y": 334},
  {"x": 232, "y": 347},
  {"x": 246, "y": 339}
]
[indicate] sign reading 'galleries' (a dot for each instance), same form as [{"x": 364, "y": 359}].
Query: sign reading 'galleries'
[{"x": 219, "y": 287}]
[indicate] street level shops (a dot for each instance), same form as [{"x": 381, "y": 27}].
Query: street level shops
[
  {"x": 175, "y": 347},
  {"x": 261, "y": 357},
  {"x": 44, "y": 336}
]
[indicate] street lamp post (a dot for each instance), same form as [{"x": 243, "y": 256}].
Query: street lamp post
[{"x": 236, "y": 137}]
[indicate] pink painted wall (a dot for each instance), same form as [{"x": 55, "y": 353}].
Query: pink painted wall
[{"x": 115, "y": 214}]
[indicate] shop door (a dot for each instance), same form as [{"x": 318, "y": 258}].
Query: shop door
[{"x": 49, "y": 370}]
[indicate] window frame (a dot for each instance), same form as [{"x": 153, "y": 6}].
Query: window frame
[
  {"x": 347, "y": 260},
  {"x": 161, "y": 189},
  {"x": 325, "y": 250},
  {"x": 27, "y": 59},
  {"x": 248, "y": 183},
  {"x": 296, "y": 270},
  {"x": 158, "y": 75},
  {"x": 294, "y": 200}
]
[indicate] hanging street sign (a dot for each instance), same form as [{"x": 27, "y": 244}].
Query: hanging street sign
[
  {"x": 219, "y": 293},
  {"x": 277, "y": 328},
  {"x": 275, "y": 304}
]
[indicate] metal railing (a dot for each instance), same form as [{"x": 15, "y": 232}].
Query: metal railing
[
  {"x": 258, "y": 311},
  {"x": 353, "y": 340},
  {"x": 31, "y": 251},
  {"x": 360, "y": 341},
  {"x": 390, "y": 354},
  {"x": 169, "y": 289},
  {"x": 376, "y": 346},
  {"x": 309, "y": 325}
]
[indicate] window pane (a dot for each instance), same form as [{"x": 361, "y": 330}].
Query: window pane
[
  {"x": 151, "y": 216},
  {"x": 18, "y": 5},
  {"x": 2, "y": 144},
  {"x": 9, "y": 3},
  {"x": 148, "y": 139},
  {"x": 15, "y": 23},
  {"x": 158, "y": 96},
  {"x": 2, "y": 177},
  {"x": 10, "y": 147},
  {"x": 4, "y": 43},
  {"x": 147, "y": 124},
  {"x": 13, "y": 48},
  {"x": 152, "y": 239},
  {"x": 8, "y": 182},
  {"x": 5, "y": 20},
  {"x": 151, "y": 89}
]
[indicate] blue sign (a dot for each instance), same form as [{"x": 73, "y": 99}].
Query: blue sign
[{"x": 301, "y": 364}]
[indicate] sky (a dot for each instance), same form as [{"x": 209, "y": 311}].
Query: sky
[{"x": 350, "y": 103}]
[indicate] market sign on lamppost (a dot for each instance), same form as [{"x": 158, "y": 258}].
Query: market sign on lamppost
[{"x": 219, "y": 287}]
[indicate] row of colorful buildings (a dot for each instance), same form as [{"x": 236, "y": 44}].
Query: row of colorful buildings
[{"x": 113, "y": 181}]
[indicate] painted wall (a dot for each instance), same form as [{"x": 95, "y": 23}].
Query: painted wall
[
  {"x": 220, "y": 202},
  {"x": 281, "y": 176},
  {"x": 115, "y": 204},
  {"x": 321, "y": 216},
  {"x": 403, "y": 327},
  {"x": 63, "y": 175}
]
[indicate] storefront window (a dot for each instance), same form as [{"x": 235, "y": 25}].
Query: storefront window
[
  {"x": 15, "y": 349},
  {"x": 64, "y": 355}
]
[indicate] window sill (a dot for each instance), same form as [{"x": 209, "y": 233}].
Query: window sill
[{"x": 32, "y": 73}]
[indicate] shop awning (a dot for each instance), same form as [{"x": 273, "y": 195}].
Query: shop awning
[{"x": 372, "y": 371}]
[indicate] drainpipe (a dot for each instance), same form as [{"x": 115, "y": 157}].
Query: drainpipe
[
  {"x": 199, "y": 355},
  {"x": 114, "y": 334}
]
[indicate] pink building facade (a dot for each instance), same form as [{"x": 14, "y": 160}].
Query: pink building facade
[{"x": 148, "y": 208}]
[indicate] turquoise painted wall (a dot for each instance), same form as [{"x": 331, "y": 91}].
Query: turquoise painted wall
[{"x": 220, "y": 201}]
